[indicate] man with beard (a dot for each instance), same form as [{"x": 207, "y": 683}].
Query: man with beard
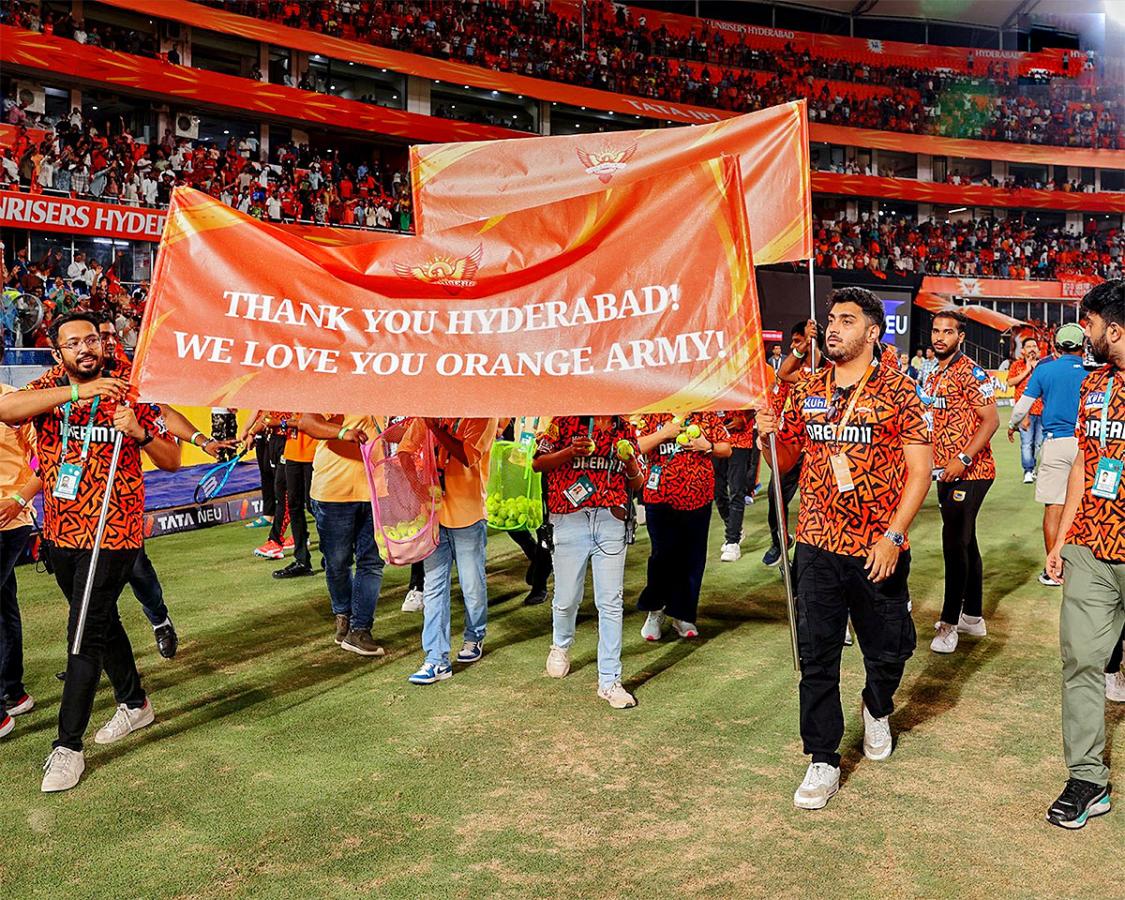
[
  {"x": 1089, "y": 559},
  {"x": 865, "y": 473},
  {"x": 962, "y": 416},
  {"x": 76, "y": 416}
]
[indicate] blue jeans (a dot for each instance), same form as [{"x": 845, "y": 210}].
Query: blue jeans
[
  {"x": 12, "y": 543},
  {"x": 146, "y": 587},
  {"x": 1031, "y": 440},
  {"x": 590, "y": 537},
  {"x": 347, "y": 535},
  {"x": 465, "y": 547}
]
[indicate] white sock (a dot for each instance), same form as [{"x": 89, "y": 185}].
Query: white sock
[{"x": 162, "y": 624}]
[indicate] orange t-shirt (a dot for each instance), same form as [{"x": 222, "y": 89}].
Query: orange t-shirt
[
  {"x": 299, "y": 447},
  {"x": 1100, "y": 522},
  {"x": 886, "y": 417},
  {"x": 1018, "y": 367},
  {"x": 72, "y": 523},
  {"x": 462, "y": 504},
  {"x": 956, "y": 393}
]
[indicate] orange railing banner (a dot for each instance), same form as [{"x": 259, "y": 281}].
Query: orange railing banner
[
  {"x": 459, "y": 182},
  {"x": 607, "y": 303}
]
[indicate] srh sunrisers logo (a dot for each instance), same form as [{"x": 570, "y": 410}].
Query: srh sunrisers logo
[
  {"x": 451, "y": 272},
  {"x": 605, "y": 163}
]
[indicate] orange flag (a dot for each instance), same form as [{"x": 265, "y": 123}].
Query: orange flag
[
  {"x": 461, "y": 182},
  {"x": 637, "y": 298}
]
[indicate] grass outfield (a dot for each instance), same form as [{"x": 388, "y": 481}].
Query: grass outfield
[{"x": 280, "y": 766}]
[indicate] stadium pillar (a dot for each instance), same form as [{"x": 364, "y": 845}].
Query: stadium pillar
[
  {"x": 418, "y": 95},
  {"x": 544, "y": 117}
]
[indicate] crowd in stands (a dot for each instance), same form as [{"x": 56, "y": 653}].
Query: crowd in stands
[
  {"x": 618, "y": 52},
  {"x": 1011, "y": 182},
  {"x": 1002, "y": 248},
  {"x": 106, "y": 162},
  {"x": 62, "y": 286}
]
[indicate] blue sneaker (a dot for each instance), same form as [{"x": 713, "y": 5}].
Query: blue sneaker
[
  {"x": 772, "y": 557},
  {"x": 431, "y": 673},
  {"x": 471, "y": 651}
]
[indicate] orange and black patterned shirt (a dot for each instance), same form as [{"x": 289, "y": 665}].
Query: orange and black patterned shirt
[
  {"x": 741, "y": 438},
  {"x": 602, "y": 469},
  {"x": 954, "y": 395},
  {"x": 686, "y": 479},
  {"x": 72, "y": 523},
  {"x": 887, "y": 416},
  {"x": 1017, "y": 367},
  {"x": 1100, "y": 523}
]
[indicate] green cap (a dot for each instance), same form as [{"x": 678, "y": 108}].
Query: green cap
[{"x": 1070, "y": 336}]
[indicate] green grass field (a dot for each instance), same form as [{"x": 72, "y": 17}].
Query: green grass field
[{"x": 280, "y": 766}]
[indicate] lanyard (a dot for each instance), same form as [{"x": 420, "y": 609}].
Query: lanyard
[
  {"x": 89, "y": 428},
  {"x": 941, "y": 373},
  {"x": 1105, "y": 412},
  {"x": 829, "y": 386}
]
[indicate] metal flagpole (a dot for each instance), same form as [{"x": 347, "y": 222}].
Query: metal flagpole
[
  {"x": 84, "y": 607},
  {"x": 812, "y": 313},
  {"x": 783, "y": 534}
]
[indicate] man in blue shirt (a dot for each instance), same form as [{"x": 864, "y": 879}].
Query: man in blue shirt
[{"x": 1057, "y": 382}]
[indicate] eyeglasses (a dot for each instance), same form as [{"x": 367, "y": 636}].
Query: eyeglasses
[
  {"x": 839, "y": 397},
  {"x": 90, "y": 343}
]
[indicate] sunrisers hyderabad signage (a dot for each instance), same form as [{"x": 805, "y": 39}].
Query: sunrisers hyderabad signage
[{"x": 79, "y": 217}]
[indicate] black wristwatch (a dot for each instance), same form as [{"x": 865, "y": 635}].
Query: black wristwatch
[{"x": 146, "y": 440}]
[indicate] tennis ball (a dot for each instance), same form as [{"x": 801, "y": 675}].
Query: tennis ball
[
  {"x": 624, "y": 449},
  {"x": 682, "y": 439},
  {"x": 694, "y": 431}
]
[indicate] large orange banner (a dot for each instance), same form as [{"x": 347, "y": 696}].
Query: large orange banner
[
  {"x": 455, "y": 183},
  {"x": 639, "y": 298}
]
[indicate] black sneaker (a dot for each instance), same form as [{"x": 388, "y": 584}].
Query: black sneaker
[
  {"x": 293, "y": 570},
  {"x": 535, "y": 598},
  {"x": 772, "y": 557},
  {"x": 166, "y": 640},
  {"x": 1078, "y": 802}
]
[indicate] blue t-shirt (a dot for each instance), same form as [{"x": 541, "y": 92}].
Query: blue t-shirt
[{"x": 1057, "y": 382}]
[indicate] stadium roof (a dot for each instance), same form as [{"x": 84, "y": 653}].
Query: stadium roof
[{"x": 992, "y": 13}]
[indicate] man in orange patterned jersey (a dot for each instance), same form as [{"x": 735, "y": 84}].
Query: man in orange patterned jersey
[
  {"x": 76, "y": 418},
  {"x": 1031, "y": 429},
  {"x": 962, "y": 414},
  {"x": 1090, "y": 561},
  {"x": 865, "y": 473}
]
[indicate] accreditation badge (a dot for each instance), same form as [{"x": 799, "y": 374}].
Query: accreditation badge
[
  {"x": 578, "y": 492},
  {"x": 1107, "y": 478},
  {"x": 842, "y": 470},
  {"x": 68, "y": 481},
  {"x": 654, "y": 474}
]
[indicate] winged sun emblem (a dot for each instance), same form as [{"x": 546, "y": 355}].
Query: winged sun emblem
[
  {"x": 605, "y": 163},
  {"x": 451, "y": 272}
]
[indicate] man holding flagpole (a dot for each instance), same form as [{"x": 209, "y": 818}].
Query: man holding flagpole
[
  {"x": 865, "y": 474},
  {"x": 76, "y": 417}
]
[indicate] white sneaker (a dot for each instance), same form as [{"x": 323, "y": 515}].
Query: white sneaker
[
  {"x": 8, "y": 723},
  {"x": 1028, "y": 477},
  {"x": 26, "y": 705},
  {"x": 685, "y": 629},
  {"x": 1047, "y": 581},
  {"x": 730, "y": 553},
  {"x": 877, "y": 740},
  {"x": 1115, "y": 686},
  {"x": 124, "y": 722},
  {"x": 653, "y": 628},
  {"x": 413, "y": 601},
  {"x": 945, "y": 641},
  {"x": 62, "y": 770},
  {"x": 971, "y": 626},
  {"x": 558, "y": 662},
  {"x": 617, "y": 697},
  {"x": 821, "y": 782}
]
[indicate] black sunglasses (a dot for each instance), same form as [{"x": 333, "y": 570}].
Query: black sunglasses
[{"x": 839, "y": 397}]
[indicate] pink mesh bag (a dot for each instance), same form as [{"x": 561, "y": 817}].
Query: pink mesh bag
[{"x": 405, "y": 499}]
